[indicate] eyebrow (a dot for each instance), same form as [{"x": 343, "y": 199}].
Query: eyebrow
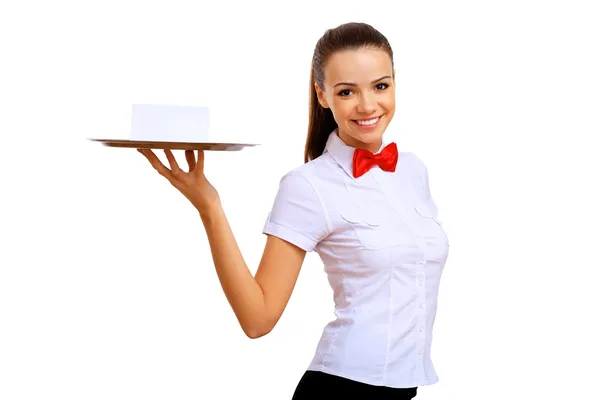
[{"x": 354, "y": 84}]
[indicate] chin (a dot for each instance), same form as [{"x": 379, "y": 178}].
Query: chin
[
  {"x": 368, "y": 134},
  {"x": 370, "y": 138}
]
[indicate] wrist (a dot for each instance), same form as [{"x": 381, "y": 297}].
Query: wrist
[{"x": 208, "y": 211}]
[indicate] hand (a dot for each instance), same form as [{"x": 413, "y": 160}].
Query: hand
[{"x": 193, "y": 184}]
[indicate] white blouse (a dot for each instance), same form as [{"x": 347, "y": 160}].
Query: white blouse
[{"x": 383, "y": 250}]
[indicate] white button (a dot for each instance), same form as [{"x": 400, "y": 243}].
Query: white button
[
  {"x": 420, "y": 353},
  {"x": 420, "y": 305}
]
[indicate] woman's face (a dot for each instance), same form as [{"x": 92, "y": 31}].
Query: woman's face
[{"x": 359, "y": 90}]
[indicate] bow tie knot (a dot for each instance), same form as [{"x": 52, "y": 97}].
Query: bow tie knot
[{"x": 364, "y": 160}]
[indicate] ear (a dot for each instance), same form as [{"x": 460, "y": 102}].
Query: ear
[{"x": 321, "y": 96}]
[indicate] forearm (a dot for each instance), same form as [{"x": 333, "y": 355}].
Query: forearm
[{"x": 241, "y": 289}]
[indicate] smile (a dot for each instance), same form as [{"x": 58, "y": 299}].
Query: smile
[{"x": 367, "y": 123}]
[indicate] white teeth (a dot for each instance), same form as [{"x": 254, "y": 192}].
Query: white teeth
[{"x": 368, "y": 122}]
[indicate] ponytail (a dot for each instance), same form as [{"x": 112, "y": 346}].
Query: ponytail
[{"x": 320, "y": 124}]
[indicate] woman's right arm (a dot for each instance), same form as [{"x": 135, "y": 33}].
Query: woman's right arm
[{"x": 258, "y": 302}]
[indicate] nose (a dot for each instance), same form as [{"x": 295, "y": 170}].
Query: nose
[{"x": 366, "y": 104}]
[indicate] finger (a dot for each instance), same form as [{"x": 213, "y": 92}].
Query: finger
[
  {"x": 173, "y": 163},
  {"x": 191, "y": 159},
  {"x": 200, "y": 163},
  {"x": 156, "y": 163}
]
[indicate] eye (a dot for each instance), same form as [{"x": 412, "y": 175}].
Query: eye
[
  {"x": 382, "y": 86},
  {"x": 345, "y": 92}
]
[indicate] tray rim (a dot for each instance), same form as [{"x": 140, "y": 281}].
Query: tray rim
[{"x": 132, "y": 141}]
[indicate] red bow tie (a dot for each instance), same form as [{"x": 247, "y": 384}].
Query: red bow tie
[{"x": 364, "y": 160}]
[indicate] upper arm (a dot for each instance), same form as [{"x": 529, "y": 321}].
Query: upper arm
[
  {"x": 296, "y": 224},
  {"x": 277, "y": 275}
]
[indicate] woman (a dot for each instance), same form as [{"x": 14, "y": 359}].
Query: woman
[{"x": 364, "y": 208}]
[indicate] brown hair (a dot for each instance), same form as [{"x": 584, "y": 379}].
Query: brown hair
[{"x": 350, "y": 36}]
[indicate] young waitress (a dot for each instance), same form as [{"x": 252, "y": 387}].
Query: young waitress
[{"x": 365, "y": 208}]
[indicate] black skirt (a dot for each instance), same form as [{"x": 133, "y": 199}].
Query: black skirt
[{"x": 316, "y": 385}]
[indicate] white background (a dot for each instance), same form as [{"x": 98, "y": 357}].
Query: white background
[{"x": 107, "y": 287}]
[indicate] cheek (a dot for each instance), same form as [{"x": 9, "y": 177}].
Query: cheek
[
  {"x": 391, "y": 108},
  {"x": 342, "y": 109},
  {"x": 390, "y": 101}
]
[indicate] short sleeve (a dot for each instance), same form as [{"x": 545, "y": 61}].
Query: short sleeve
[
  {"x": 424, "y": 179},
  {"x": 297, "y": 215}
]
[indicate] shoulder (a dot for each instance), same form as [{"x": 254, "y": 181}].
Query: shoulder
[
  {"x": 298, "y": 214},
  {"x": 310, "y": 172},
  {"x": 299, "y": 182}
]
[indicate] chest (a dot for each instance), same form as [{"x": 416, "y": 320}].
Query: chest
[{"x": 383, "y": 220}]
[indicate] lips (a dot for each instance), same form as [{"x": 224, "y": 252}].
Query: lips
[{"x": 367, "y": 123}]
